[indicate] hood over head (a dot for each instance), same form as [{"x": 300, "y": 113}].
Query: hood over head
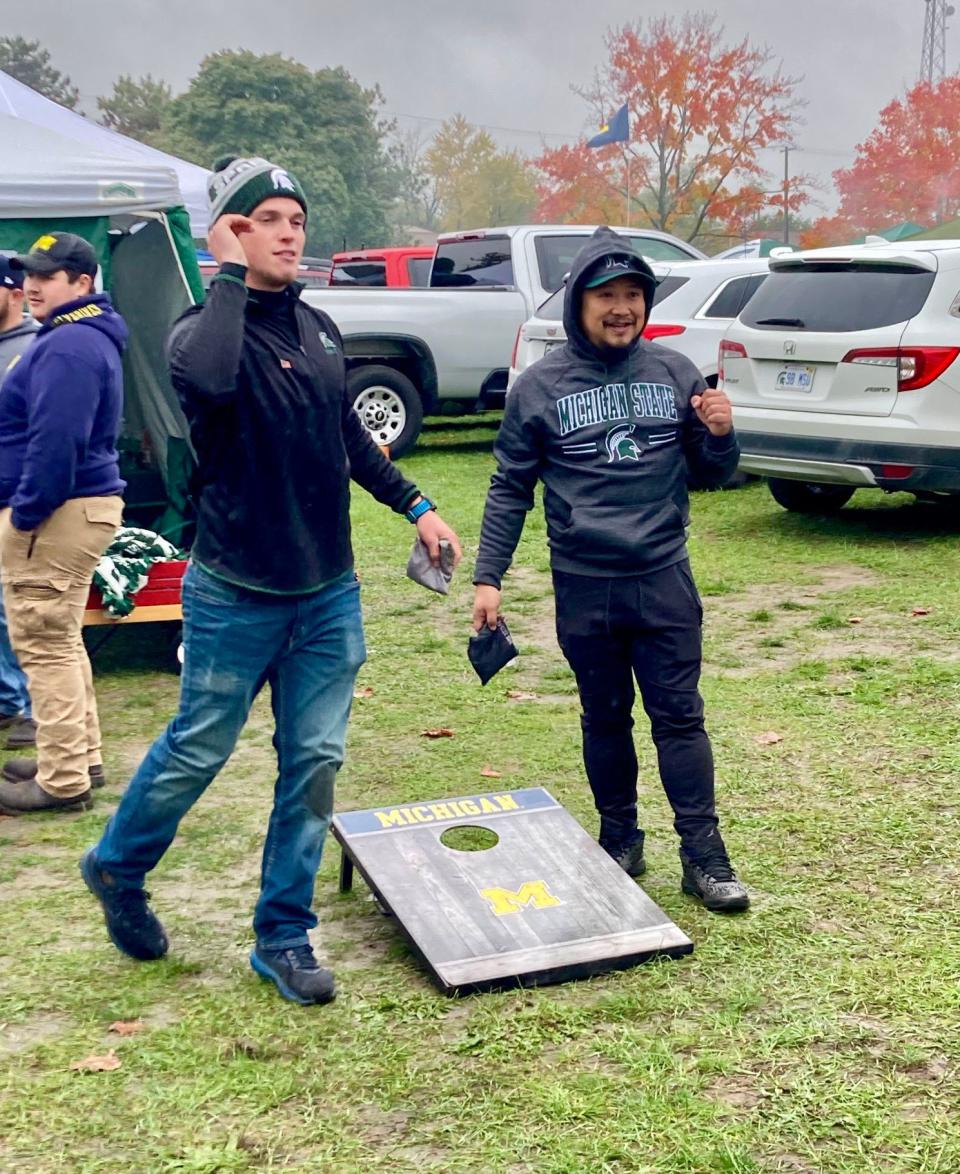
[{"x": 606, "y": 254}]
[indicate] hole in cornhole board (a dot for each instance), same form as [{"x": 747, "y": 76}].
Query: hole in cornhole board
[
  {"x": 469, "y": 837},
  {"x": 543, "y": 904}
]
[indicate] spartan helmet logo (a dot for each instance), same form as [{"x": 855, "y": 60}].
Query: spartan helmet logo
[
  {"x": 621, "y": 446},
  {"x": 280, "y": 180}
]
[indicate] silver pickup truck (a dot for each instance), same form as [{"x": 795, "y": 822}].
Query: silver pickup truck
[{"x": 416, "y": 352}]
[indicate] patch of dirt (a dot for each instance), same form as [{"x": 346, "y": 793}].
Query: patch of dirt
[
  {"x": 376, "y": 1125},
  {"x": 735, "y": 1092},
  {"x": 16, "y": 1038},
  {"x": 793, "y": 1164},
  {"x": 788, "y": 634}
]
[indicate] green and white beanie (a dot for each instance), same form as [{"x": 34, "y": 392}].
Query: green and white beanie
[{"x": 239, "y": 185}]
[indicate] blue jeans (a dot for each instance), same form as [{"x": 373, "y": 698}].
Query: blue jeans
[
  {"x": 309, "y": 649},
  {"x": 14, "y": 697}
]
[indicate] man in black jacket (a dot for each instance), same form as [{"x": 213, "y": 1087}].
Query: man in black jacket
[
  {"x": 610, "y": 424},
  {"x": 270, "y": 594}
]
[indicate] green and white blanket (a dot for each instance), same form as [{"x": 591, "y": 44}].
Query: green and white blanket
[{"x": 125, "y": 565}]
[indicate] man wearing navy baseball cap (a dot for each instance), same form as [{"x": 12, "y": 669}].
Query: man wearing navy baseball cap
[{"x": 60, "y": 505}]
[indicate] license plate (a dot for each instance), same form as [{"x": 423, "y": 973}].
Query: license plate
[{"x": 795, "y": 377}]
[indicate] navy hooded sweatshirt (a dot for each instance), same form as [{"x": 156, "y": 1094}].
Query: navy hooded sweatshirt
[
  {"x": 611, "y": 433},
  {"x": 60, "y": 409}
]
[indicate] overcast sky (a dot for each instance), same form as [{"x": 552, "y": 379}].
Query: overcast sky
[{"x": 504, "y": 64}]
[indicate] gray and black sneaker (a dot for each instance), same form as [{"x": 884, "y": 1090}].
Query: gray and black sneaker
[
  {"x": 296, "y": 974},
  {"x": 709, "y": 876},
  {"x": 627, "y": 853},
  {"x": 132, "y": 925}
]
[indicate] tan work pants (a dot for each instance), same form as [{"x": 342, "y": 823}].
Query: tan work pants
[{"x": 46, "y": 577}]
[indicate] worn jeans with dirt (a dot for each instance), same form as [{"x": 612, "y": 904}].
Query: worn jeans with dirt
[
  {"x": 46, "y": 576},
  {"x": 308, "y": 649}
]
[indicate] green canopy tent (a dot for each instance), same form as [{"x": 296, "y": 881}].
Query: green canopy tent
[{"x": 132, "y": 212}]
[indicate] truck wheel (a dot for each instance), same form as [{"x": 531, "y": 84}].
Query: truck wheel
[
  {"x": 809, "y": 497},
  {"x": 388, "y": 406}
]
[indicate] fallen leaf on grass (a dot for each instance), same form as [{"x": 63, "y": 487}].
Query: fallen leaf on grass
[
  {"x": 920, "y": 611},
  {"x": 519, "y": 695},
  {"x": 489, "y": 773},
  {"x": 768, "y": 738},
  {"x": 108, "y": 1063},
  {"x": 126, "y": 1026},
  {"x": 366, "y": 691},
  {"x": 855, "y": 619},
  {"x": 439, "y": 732}
]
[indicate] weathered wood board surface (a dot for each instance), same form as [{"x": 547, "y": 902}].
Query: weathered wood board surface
[{"x": 544, "y": 904}]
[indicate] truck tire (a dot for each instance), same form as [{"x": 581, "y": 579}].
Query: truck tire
[
  {"x": 388, "y": 405},
  {"x": 809, "y": 497}
]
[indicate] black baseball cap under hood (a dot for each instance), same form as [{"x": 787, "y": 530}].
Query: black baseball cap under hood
[{"x": 612, "y": 255}]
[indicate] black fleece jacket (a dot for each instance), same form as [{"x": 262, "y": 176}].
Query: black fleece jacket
[
  {"x": 611, "y": 433},
  {"x": 262, "y": 381}
]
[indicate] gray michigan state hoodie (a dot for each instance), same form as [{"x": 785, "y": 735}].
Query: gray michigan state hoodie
[{"x": 611, "y": 433}]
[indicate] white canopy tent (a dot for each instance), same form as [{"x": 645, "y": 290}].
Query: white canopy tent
[{"x": 91, "y": 144}]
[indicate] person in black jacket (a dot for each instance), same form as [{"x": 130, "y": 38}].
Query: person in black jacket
[
  {"x": 270, "y": 595},
  {"x": 611, "y": 423}
]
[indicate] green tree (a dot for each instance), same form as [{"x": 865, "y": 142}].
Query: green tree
[
  {"x": 320, "y": 124},
  {"x": 475, "y": 183},
  {"x": 29, "y": 63},
  {"x": 136, "y": 107}
]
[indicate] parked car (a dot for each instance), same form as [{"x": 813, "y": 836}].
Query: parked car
[
  {"x": 314, "y": 271},
  {"x": 402, "y": 266},
  {"x": 412, "y": 352},
  {"x": 758, "y": 247},
  {"x": 694, "y": 304},
  {"x": 843, "y": 374}
]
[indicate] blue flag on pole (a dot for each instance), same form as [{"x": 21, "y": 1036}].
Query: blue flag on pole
[{"x": 617, "y": 130}]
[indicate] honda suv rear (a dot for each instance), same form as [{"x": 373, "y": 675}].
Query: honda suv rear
[{"x": 843, "y": 375}]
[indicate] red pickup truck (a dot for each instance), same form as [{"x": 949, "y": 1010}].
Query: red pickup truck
[{"x": 402, "y": 266}]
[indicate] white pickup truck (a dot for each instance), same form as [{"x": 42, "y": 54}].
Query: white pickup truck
[{"x": 416, "y": 352}]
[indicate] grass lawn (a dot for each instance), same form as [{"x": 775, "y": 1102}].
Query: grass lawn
[{"x": 820, "y": 1032}]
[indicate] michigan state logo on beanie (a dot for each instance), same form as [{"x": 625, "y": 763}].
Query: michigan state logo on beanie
[{"x": 238, "y": 185}]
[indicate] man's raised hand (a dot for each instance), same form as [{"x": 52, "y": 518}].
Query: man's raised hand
[
  {"x": 224, "y": 239},
  {"x": 714, "y": 410}
]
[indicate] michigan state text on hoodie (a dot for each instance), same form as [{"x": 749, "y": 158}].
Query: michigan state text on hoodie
[
  {"x": 60, "y": 410},
  {"x": 611, "y": 433}
]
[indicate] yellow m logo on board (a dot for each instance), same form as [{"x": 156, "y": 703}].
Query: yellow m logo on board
[
  {"x": 43, "y": 243},
  {"x": 534, "y": 893}
]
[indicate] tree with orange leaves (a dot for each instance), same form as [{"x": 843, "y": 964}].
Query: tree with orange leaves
[
  {"x": 909, "y": 167},
  {"x": 700, "y": 113}
]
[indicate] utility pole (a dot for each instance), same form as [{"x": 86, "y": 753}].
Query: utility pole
[{"x": 933, "y": 56}]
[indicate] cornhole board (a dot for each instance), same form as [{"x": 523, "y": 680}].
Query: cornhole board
[
  {"x": 544, "y": 904},
  {"x": 157, "y": 600}
]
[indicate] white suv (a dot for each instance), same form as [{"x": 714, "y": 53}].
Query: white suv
[
  {"x": 842, "y": 371},
  {"x": 692, "y": 308}
]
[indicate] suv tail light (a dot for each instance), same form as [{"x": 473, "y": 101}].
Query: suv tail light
[
  {"x": 661, "y": 330},
  {"x": 729, "y": 350},
  {"x": 917, "y": 366},
  {"x": 516, "y": 347}
]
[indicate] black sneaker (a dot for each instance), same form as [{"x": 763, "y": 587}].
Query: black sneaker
[
  {"x": 20, "y": 733},
  {"x": 709, "y": 876},
  {"x": 295, "y": 973},
  {"x": 628, "y": 853},
  {"x": 132, "y": 925}
]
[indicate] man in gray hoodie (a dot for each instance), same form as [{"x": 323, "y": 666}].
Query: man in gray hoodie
[
  {"x": 611, "y": 424},
  {"x": 16, "y": 334}
]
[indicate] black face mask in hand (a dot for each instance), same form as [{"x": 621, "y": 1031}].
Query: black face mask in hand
[{"x": 490, "y": 649}]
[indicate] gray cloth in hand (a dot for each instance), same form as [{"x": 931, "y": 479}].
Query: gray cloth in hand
[{"x": 421, "y": 570}]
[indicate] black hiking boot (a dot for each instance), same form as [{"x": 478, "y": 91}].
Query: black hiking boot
[
  {"x": 296, "y": 974},
  {"x": 627, "y": 853},
  {"x": 22, "y": 770},
  {"x": 709, "y": 876},
  {"x": 132, "y": 925}
]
